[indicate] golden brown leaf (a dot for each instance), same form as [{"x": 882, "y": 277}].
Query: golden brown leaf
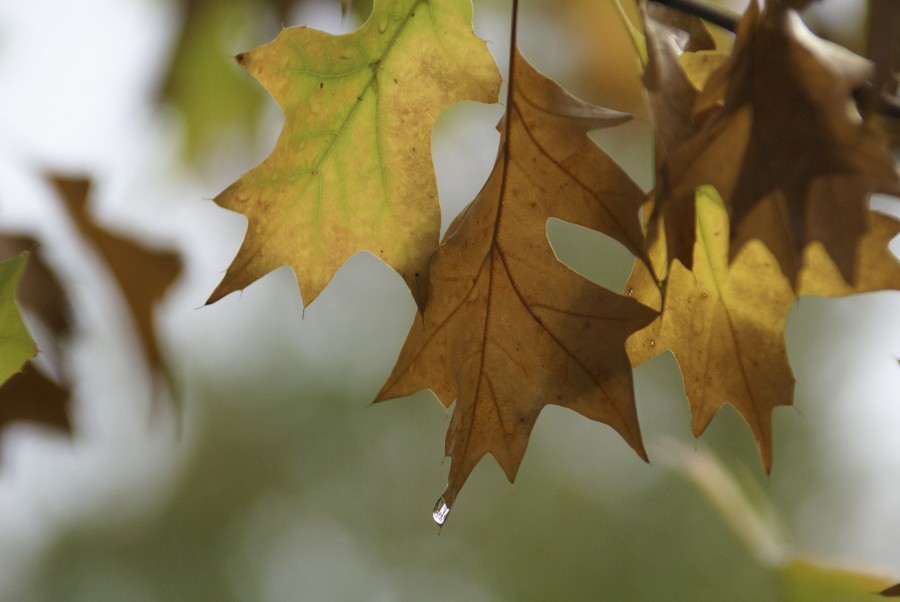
[
  {"x": 725, "y": 325},
  {"x": 142, "y": 274},
  {"x": 725, "y": 322},
  {"x": 508, "y": 329},
  {"x": 787, "y": 152},
  {"x": 605, "y": 69}
]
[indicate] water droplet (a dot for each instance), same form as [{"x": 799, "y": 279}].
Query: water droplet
[
  {"x": 382, "y": 24},
  {"x": 652, "y": 343},
  {"x": 440, "y": 512}
]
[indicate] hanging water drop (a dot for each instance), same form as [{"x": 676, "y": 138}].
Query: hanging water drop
[
  {"x": 440, "y": 512},
  {"x": 382, "y": 24}
]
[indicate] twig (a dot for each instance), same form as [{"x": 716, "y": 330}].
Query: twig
[{"x": 717, "y": 16}]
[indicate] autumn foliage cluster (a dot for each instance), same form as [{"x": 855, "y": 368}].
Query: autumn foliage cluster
[{"x": 764, "y": 169}]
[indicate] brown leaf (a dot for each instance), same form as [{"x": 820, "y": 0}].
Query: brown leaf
[
  {"x": 508, "y": 329},
  {"x": 142, "y": 274},
  {"x": 725, "y": 322},
  {"x": 790, "y": 157},
  {"x": 670, "y": 35},
  {"x": 31, "y": 396}
]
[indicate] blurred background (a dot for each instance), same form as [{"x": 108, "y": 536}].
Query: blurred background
[{"x": 257, "y": 468}]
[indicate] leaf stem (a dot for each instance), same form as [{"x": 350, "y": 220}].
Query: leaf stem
[
  {"x": 513, "y": 44},
  {"x": 717, "y": 16}
]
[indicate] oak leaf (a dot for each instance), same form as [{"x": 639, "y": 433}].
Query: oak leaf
[
  {"x": 32, "y": 396},
  {"x": 508, "y": 329},
  {"x": 786, "y": 151},
  {"x": 724, "y": 321},
  {"x": 352, "y": 169}
]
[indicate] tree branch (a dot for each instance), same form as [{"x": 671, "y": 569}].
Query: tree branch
[{"x": 715, "y": 15}]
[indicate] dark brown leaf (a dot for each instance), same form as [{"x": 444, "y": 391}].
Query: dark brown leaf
[{"x": 790, "y": 157}]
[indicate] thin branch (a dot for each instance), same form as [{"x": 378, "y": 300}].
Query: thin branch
[{"x": 715, "y": 15}]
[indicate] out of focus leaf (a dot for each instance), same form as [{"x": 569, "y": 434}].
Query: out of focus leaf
[
  {"x": 808, "y": 580},
  {"x": 203, "y": 83},
  {"x": 16, "y": 344},
  {"x": 142, "y": 274},
  {"x": 40, "y": 290},
  {"x": 32, "y": 396},
  {"x": 753, "y": 520}
]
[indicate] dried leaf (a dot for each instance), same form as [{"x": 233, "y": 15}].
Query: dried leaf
[
  {"x": 725, "y": 325},
  {"x": 31, "y": 396},
  {"x": 725, "y": 322},
  {"x": 787, "y": 151},
  {"x": 39, "y": 289},
  {"x": 142, "y": 274},
  {"x": 508, "y": 329},
  {"x": 352, "y": 170}
]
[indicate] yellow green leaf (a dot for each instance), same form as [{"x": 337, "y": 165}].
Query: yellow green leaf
[
  {"x": 806, "y": 580},
  {"x": 16, "y": 345},
  {"x": 352, "y": 169}
]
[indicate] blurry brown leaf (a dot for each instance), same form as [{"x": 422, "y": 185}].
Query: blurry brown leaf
[
  {"x": 31, "y": 396},
  {"x": 724, "y": 322},
  {"x": 605, "y": 68},
  {"x": 787, "y": 152},
  {"x": 892, "y": 592},
  {"x": 508, "y": 329},
  {"x": 142, "y": 274}
]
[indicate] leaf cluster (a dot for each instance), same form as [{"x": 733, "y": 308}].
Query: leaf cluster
[{"x": 764, "y": 170}]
